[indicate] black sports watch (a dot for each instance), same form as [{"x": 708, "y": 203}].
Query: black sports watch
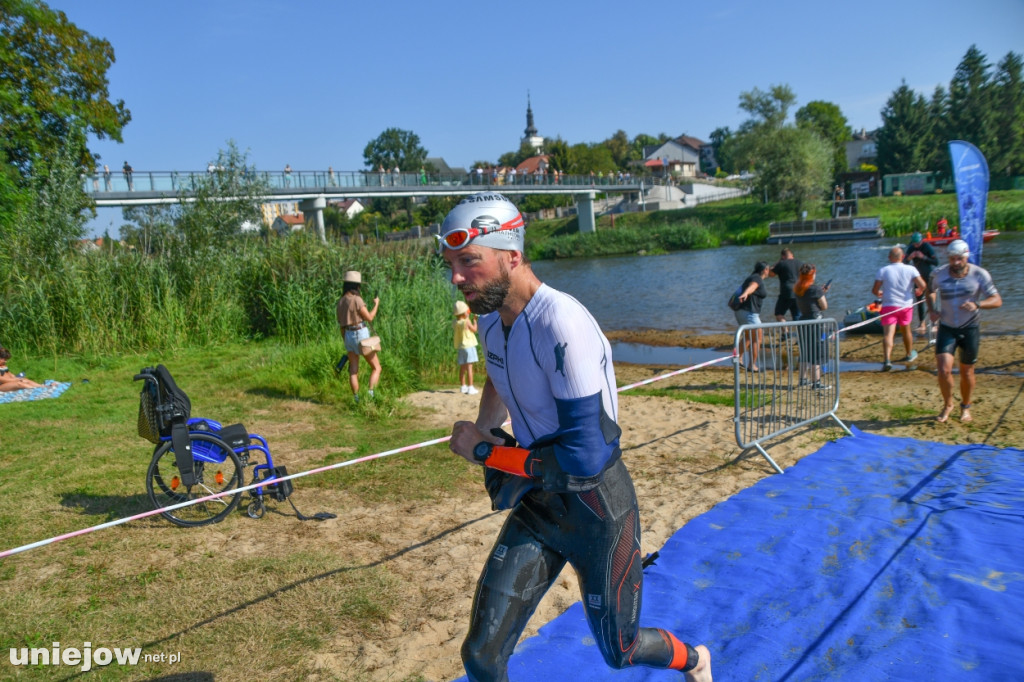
[{"x": 482, "y": 451}]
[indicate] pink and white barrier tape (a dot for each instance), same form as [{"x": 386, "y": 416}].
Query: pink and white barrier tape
[{"x": 872, "y": 319}]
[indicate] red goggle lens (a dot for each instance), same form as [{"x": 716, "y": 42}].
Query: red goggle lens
[{"x": 456, "y": 239}]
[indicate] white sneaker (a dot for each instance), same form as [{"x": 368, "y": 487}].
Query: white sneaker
[
  {"x": 465, "y": 389},
  {"x": 472, "y": 390}
]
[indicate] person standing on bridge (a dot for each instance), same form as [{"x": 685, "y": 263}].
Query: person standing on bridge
[
  {"x": 571, "y": 497},
  {"x": 127, "y": 171},
  {"x": 964, "y": 289},
  {"x": 106, "y": 178},
  {"x": 287, "y": 175}
]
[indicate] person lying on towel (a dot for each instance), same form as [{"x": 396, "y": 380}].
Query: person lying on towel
[{"x": 8, "y": 381}]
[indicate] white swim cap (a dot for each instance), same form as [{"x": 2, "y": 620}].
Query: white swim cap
[
  {"x": 957, "y": 247},
  {"x": 487, "y": 211}
]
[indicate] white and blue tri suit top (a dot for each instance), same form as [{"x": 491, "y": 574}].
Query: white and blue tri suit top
[{"x": 553, "y": 371}]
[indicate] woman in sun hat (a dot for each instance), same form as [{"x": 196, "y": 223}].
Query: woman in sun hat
[{"x": 353, "y": 317}]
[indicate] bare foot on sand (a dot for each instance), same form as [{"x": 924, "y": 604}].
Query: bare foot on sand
[
  {"x": 702, "y": 673},
  {"x": 965, "y": 414},
  {"x": 944, "y": 415}
]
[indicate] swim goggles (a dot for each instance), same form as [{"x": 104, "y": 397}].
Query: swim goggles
[{"x": 461, "y": 237}]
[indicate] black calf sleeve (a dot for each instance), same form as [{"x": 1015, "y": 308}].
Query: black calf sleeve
[{"x": 692, "y": 658}]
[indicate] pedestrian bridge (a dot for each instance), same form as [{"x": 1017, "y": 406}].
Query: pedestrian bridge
[{"x": 312, "y": 189}]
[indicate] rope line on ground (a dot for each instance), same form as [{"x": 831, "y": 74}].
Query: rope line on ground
[{"x": 329, "y": 467}]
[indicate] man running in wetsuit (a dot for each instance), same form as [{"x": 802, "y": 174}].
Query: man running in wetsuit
[{"x": 572, "y": 500}]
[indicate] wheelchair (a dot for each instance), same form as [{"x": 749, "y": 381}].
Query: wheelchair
[{"x": 197, "y": 457}]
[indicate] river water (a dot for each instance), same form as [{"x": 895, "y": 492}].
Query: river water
[{"x": 687, "y": 290}]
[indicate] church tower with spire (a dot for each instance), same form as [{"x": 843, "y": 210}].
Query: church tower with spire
[{"x": 530, "y": 134}]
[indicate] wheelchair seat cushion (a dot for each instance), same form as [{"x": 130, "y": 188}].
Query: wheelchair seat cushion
[{"x": 236, "y": 436}]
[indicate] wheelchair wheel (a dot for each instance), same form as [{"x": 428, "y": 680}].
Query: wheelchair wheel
[{"x": 224, "y": 472}]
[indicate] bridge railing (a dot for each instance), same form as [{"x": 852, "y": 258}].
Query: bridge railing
[{"x": 186, "y": 181}]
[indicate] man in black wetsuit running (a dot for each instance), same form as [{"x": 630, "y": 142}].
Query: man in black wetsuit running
[{"x": 571, "y": 498}]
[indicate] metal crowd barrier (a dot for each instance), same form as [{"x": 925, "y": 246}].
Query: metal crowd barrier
[{"x": 796, "y": 382}]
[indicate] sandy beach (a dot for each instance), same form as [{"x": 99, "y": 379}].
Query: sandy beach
[{"x": 684, "y": 460}]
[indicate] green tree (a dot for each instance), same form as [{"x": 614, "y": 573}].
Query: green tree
[
  {"x": 619, "y": 148},
  {"x": 1008, "y": 103},
  {"x": 935, "y": 149},
  {"x": 53, "y": 89},
  {"x": 826, "y": 119},
  {"x": 150, "y": 228},
  {"x": 14, "y": 208},
  {"x": 513, "y": 159},
  {"x": 643, "y": 140},
  {"x": 768, "y": 109},
  {"x": 60, "y": 208},
  {"x": 904, "y": 136},
  {"x": 560, "y": 155},
  {"x": 794, "y": 168},
  {"x": 593, "y": 158},
  {"x": 221, "y": 201},
  {"x": 434, "y": 209},
  {"x": 768, "y": 113},
  {"x": 971, "y": 111},
  {"x": 720, "y": 142},
  {"x": 792, "y": 165},
  {"x": 395, "y": 147}
]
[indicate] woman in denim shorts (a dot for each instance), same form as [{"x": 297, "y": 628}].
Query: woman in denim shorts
[
  {"x": 749, "y": 312},
  {"x": 353, "y": 317}
]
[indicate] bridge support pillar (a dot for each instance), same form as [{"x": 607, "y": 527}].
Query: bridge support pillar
[
  {"x": 317, "y": 205},
  {"x": 585, "y": 212}
]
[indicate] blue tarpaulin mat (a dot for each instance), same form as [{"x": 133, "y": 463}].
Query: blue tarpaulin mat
[{"x": 874, "y": 558}]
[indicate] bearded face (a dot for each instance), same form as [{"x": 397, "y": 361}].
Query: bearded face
[
  {"x": 490, "y": 296},
  {"x": 958, "y": 265}
]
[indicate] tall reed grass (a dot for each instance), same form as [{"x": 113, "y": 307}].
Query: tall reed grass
[{"x": 126, "y": 302}]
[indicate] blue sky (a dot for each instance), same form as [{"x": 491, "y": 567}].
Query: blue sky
[{"x": 309, "y": 82}]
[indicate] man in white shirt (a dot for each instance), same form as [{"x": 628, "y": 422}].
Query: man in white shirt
[{"x": 897, "y": 283}]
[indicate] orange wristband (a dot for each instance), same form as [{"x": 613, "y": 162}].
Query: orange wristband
[{"x": 510, "y": 460}]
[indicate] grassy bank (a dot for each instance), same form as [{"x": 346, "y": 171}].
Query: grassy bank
[
  {"x": 238, "y": 596},
  {"x": 744, "y": 221}
]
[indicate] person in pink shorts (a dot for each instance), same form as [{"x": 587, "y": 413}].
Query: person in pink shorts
[{"x": 897, "y": 284}]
